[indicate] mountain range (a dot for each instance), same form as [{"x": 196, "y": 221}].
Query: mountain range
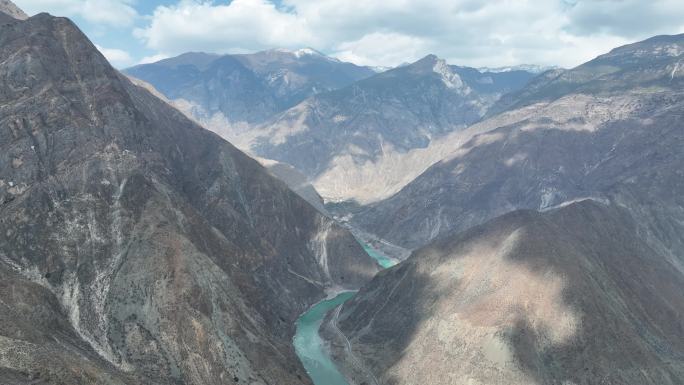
[
  {"x": 176, "y": 222},
  {"x": 548, "y": 243},
  {"x": 345, "y": 133},
  {"x": 246, "y": 88}
]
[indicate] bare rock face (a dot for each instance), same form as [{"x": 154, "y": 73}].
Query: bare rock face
[
  {"x": 135, "y": 246},
  {"x": 610, "y": 130},
  {"x": 569, "y": 296},
  {"x": 10, "y": 9}
]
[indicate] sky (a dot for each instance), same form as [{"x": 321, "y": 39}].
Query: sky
[{"x": 479, "y": 33}]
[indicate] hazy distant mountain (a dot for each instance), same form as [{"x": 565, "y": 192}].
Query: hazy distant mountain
[
  {"x": 569, "y": 296},
  {"x": 249, "y": 88},
  {"x": 533, "y": 68},
  {"x": 351, "y": 142},
  {"x": 136, "y": 246},
  {"x": 609, "y": 129}
]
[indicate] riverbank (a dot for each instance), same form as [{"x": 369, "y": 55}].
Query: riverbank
[
  {"x": 310, "y": 347},
  {"x": 341, "y": 352},
  {"x": 337, "y": 345}
]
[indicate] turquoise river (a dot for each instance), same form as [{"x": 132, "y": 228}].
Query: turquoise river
[{"x": 308, "y": 343}]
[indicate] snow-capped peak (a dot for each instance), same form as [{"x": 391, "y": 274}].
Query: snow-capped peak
[
  {"x": 307, "y": 52},
  {"x": 299, "y": 52},
  {"x": 303, "y": 52},
  {"x": 532, "y": 68}
]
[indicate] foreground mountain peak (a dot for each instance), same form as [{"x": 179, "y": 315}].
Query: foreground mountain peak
[
  {"x": 522, "y": 300},
  {"x": 9, "y": 8},
  {"x": 170, "y": 257}
]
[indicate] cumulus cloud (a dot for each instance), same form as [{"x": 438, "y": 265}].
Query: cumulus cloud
[
  {"x": 378, "y": 47},
  {"x": 118, "y": 58},
  {"x": 388, "y": 32},
  {"x": 118, "y": 13},
  {"x": 629, "y": 18},
  {"x": 242, "y": 25}
]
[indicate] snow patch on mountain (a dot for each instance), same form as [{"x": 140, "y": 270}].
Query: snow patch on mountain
[{"x": 533, "y": 68}]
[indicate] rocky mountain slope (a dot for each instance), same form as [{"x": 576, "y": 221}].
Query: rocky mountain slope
[
  {"x": 650, "y": 63},
  {"x": 569, "y": 296},
  {"x": 352, "y": 141},
  {"x": 226, "y": 92},
  {"x": 579, "y": 133},
  {"x": 136, "y": 246},
  {"x": 8, "y": 8}
]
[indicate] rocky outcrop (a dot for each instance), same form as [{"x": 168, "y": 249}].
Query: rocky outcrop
[
  {"x": 568, "y": 296},
  {"x": 137, "y": 247},
  {"x": 10, "y": 9}
]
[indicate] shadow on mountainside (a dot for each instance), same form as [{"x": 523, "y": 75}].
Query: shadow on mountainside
[
  {"x": 540, "y": 163},
  {"x": 568, "y": 296}
]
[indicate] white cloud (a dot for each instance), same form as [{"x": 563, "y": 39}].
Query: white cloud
[
  {"x": 118, "y": 58},
  {"x": 468, "y": 32},
  {"x": 242, "y": 25},
  {"x": 630, "y": 18},
  {"x": 379, "y": 47},
  {"x": 119, "y": 13}
]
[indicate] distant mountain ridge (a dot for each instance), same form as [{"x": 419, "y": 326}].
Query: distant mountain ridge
[
  {"x": 247, "y": 88},
  {"x": 633, "y": 65},
  {"x": 533, "y": 68},
  {"x": 608, "y": 128}
]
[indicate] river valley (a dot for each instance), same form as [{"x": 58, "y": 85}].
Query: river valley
[{"x": 307, "y": 341}]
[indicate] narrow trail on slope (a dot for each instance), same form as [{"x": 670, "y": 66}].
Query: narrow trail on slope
[{"x": 355, "y": 360}]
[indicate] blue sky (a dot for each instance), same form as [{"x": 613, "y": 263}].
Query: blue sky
[{"x": 371, "y": 32}]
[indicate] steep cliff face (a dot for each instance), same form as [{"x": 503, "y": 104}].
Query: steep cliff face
[
  {"x": 599, "y": 138},
  {"x": 162, "y": 253},
  {"x": 569, "y": 296}
]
